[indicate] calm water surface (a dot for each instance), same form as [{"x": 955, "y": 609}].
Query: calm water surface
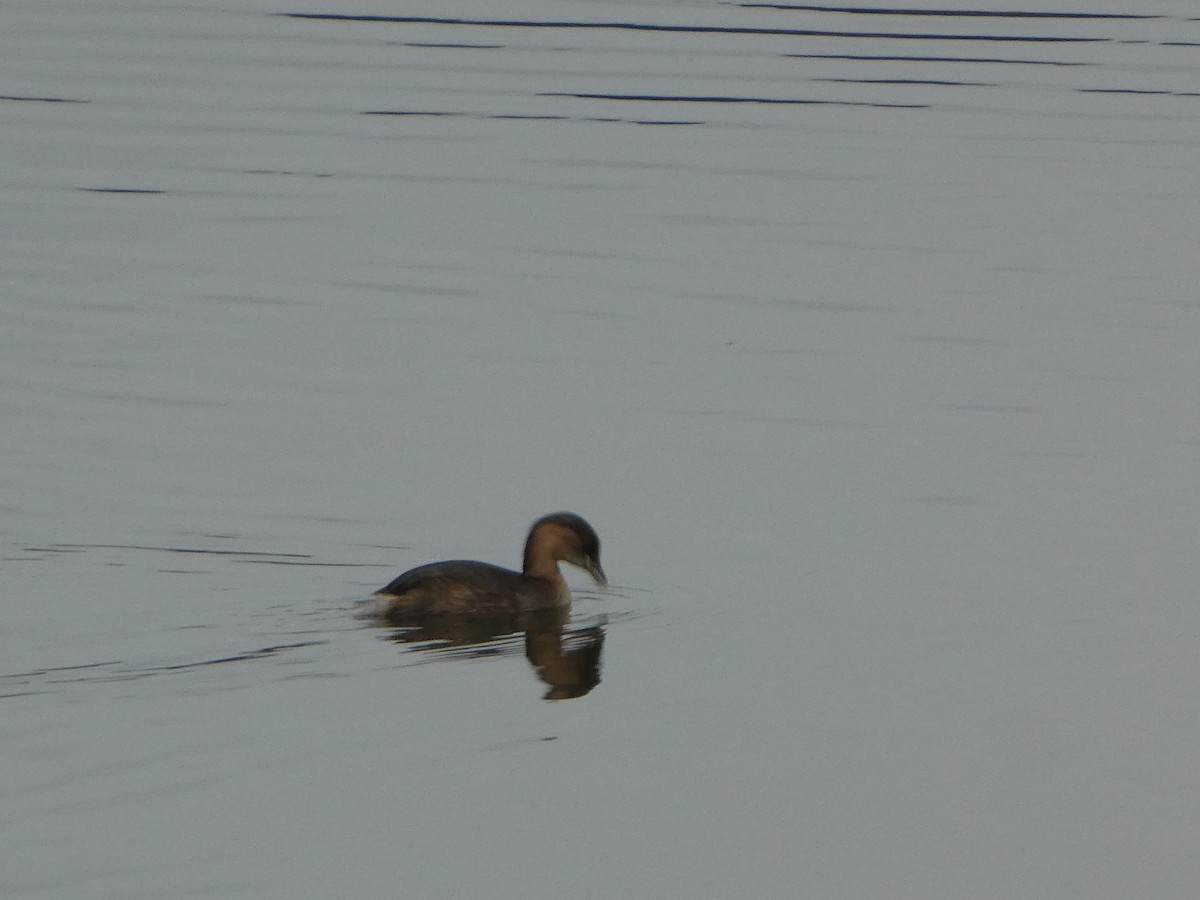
[{"x": 866, "y": 340}]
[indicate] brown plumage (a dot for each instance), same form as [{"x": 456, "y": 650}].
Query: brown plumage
[{"x": 465, "y": 586}]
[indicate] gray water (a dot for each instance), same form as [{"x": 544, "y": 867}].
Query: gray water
[{"x": 867, "y": 342}]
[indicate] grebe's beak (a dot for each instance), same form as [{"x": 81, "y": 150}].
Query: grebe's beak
[{"x": 592, "y": 567}]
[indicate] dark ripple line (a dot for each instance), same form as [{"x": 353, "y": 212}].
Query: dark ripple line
[
  {"x": 306, "y": 562},
  {"x": 53, "y": 669},
  {"x": 16, "y": 99},
  {"x": 467, "y": 115},
  {"x": 771, "y": 101},
  {"x": 948, "y": 13},
  {"x": 92, "y": 190},
  {"x": 435, "y": 45},
  {"x": 1138, "y": 92},
  {"x": 261, "y": 653},
  {"x": 950, "y": 59},
  {"x": 183, "y": 550},
  {"x": 522, "y": 117},
  {"x": 686, "y": 29},
  {"x": 907, "y": 81},
  {"x": 137, "y": 674}
]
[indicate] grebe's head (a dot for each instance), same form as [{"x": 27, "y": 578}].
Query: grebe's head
[{"x": 568, "y": 537}]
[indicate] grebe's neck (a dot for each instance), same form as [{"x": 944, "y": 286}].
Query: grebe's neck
[
  {"x": 554, "y": 580},
  {"x": 546, "y": 545},
  {"x": 541, "y": 562}
]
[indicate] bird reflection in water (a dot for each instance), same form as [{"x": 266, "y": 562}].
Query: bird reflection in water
[{"x": 567, "y": 661}]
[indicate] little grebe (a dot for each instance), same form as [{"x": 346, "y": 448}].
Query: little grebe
[{"x": 463, "y": 586}]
